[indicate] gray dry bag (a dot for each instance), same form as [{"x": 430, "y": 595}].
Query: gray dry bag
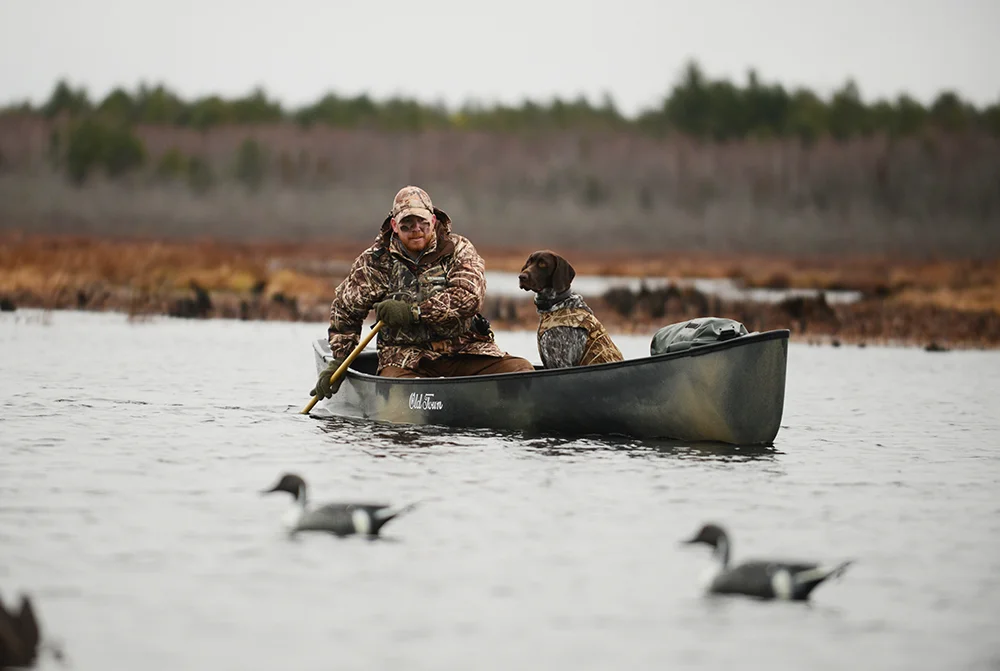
[{"x": 701, "y": 331}]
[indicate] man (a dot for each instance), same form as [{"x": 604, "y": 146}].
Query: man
[{"x": 426, "y": 284}]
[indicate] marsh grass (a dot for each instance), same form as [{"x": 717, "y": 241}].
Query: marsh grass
[{"x": 956, "y": 302}]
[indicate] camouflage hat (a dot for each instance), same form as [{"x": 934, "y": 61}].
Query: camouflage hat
[{"x": 412, "y": 200}]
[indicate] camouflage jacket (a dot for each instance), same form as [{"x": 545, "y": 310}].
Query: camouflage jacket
[
  {"x": 448, "y": 284},
  {"x": 574, "y": 313}
]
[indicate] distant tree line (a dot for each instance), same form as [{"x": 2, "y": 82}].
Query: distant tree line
[
  {"x": 709, "y": 109},
  {"x": 101, "y": 134}
]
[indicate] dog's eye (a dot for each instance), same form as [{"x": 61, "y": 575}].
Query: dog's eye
[{"x": 541, "y": 264}]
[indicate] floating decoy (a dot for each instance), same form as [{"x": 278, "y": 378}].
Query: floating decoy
[
  {"x": 340, "y": 519},
  {"x": 19, "y": 636},
  {"x": 764, "y": 579}
]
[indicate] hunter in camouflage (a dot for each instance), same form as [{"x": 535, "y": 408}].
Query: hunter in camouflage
[{"x": 427, "y": 285}]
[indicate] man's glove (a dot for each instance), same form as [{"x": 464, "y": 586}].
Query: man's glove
[
  {"x": 323, "y": 387},
  {"x": 396, "y": 313}
]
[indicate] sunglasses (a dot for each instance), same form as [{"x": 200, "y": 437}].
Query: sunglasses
[{"x": 407, "y": 226}]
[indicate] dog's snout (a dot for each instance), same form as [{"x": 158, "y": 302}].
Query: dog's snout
[{"x": 524, "y": 280}]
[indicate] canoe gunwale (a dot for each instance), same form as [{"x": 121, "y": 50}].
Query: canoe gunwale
[{"x": 701, "y": 350}]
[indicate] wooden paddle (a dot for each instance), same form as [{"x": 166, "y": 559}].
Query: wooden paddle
[{"x": 347, "y": 362}]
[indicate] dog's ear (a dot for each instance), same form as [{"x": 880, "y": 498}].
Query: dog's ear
[{"x": 562, "y": 274}]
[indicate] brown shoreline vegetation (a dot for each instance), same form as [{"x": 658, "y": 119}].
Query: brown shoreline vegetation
[{"x": 940, "y": 304}]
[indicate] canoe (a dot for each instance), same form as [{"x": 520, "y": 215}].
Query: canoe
[{"x": 729, "y": 392}]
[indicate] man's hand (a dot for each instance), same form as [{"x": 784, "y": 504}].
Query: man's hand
[
  {"x": 323, "y": 387},
  {"x": 395, "y": 313}
]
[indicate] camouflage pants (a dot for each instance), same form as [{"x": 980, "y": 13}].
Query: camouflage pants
[{"x": 462, "y": 364}]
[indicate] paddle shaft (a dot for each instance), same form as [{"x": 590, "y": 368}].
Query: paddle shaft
[{"x": 347, "y": 362}]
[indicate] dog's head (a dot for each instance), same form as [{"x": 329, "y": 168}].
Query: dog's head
[{"x": 545, "y": 269}]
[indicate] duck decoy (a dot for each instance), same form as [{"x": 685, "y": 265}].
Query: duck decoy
[
  {"x": 19, "y": 635},
  {"x": 340, "y": 519},
  {"x": 764, "y": 579}
]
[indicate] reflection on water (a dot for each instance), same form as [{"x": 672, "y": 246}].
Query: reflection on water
[
  {"x": 644, "y": 448},
  {"x": 387, "y": 436}
]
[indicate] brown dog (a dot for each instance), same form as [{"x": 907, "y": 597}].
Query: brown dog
[{"x": 568, "y": 332}]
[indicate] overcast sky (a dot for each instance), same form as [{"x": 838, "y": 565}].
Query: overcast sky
[{"x": 507, "y": 50}]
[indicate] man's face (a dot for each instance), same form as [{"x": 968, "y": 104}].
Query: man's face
[{"x": 415, "y": 233}]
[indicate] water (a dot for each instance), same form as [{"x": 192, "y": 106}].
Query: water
[
  {"x": 131, "y": 456},
  {"x": 505, "y": 284}
]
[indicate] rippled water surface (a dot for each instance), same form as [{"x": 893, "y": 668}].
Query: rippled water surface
[{"x": 132, "y": 454}]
